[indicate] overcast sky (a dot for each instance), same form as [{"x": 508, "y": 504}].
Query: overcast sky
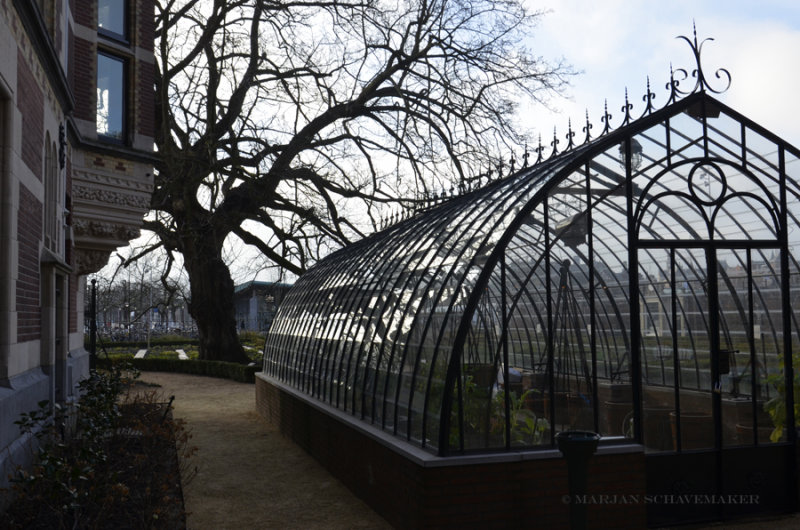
[{"x": 617, "y": 43}]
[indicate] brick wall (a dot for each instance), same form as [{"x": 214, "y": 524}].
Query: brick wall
[
  {"x": 518, "y": 494},
  {"x": 84, "y": 12},
  {"x": 29, "y": 235},
  {"x": 30, "y": 101},
  {"x": 145, "y": 98},
  {"x": 145, "y": 72},
  {"x": 83, "y": 78},
  {"x": 146, "y": 24}
]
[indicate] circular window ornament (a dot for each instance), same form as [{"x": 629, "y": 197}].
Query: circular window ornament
[{"x": 707, "y": 183}]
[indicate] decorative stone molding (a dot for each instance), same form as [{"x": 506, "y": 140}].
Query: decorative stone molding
[
  {"x": 88, "y": 261},
  {"x": 84, "y": 227},
  {"x": 110, "y": 196}
]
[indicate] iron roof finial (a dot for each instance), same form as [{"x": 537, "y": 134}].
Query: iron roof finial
[
  {"x": 539, "y": 150},
  {"x": 525, "y": 156},
  {"x": 570, "y": 135},
  {"x": 674, "y": 83},
  {"x": 606, "y": 119},
  {"x": 587, "y": 129},
  {"x": 554, "y": 143},
  {"x": 648, "y": 99},
  {"x": 626, "y": 109},
  {"x": 701, "y": 81},
  {"x": 512, "y": 162}
]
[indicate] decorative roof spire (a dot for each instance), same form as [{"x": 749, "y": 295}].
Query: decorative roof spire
[
  {"x": 676, "y": 92},
  {"x": 701, "y": 83},
  {"x": 648, "y": 99},
  {"x": 587, "y": 129}
]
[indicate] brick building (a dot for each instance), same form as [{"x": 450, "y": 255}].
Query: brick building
[
  {"x": 257, "y": 302},
  {"x": 76, "y": 173}
]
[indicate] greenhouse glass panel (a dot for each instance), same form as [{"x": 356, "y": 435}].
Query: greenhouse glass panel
[{"x": 641, "y": 285}]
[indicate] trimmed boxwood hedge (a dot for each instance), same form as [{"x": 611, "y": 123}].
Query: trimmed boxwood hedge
[
  {"x": 238, "y": 372},
  {"x": 143, "y": 343}
]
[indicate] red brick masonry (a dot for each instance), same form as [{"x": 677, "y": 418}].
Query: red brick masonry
[
  {"x": 414, "y": 489},
  {"x": 29, "y": 235}
]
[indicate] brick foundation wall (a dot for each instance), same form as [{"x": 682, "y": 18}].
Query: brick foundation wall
[
  {"x": 29, "y": 235},
  {"x": 409, "y": 494}
]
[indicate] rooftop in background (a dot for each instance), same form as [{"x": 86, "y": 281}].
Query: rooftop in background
[{"x": 260, "y": 285}]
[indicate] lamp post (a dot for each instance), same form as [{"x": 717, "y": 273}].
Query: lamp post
[
  {"x": 93, "y": 327},
  {"x": 149, "y": 306}
]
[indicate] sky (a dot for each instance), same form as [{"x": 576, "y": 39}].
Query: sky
[{"x": 618, "y": 43}]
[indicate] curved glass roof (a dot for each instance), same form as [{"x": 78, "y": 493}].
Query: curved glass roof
[{"x": 656, "y": 261}]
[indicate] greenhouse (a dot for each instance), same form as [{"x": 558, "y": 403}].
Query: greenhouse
[{"x": 640, "y": 284}]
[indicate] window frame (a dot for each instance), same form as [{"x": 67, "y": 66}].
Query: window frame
[{"x": 113, "y": 35}]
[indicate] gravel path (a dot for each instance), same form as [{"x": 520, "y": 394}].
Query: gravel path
[{"x": 250, "y": 476}]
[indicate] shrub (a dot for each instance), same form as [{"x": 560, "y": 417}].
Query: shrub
[
  {"x": 170, "y": 340},
  {"x": 105, "y": 463},
  {"x": 225, "y": 370}
]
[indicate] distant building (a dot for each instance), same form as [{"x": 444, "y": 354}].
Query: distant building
[
  {"x": 77, "y": 127},
  {"x": 256, "y": 304}
]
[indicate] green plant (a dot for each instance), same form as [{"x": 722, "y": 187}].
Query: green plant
[
  {"x": 776, "y": 407},
  {"x": 254, "y": 339},
  {"x": 64, "y": 478},
  {"x": 103, "y": 462},
  {"x": 525, "y": 427},
  {"x": 234, "y": 371}
]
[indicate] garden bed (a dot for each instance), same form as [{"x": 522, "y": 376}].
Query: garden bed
[{"x": 119, "y": 465}]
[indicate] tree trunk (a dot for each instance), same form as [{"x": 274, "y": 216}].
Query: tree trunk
[{"x": 212, "y": 305}]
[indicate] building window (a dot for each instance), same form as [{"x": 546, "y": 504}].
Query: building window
[
  {"x": 54, "y": 201},
  {"x": 112, "y": 19},
  {"x": 110, "y": 97}
]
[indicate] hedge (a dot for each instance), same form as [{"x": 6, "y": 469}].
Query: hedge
[
  {"x": 142, "y": 343},
  {"x": 238, "y": 372}
]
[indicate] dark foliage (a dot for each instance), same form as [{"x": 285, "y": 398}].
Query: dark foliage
[
  {"x": 107, "y": 462},
  {"x": 222, "y": 369}
]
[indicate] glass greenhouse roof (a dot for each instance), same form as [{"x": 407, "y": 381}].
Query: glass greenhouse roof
[{"x": 650, "y": 268}]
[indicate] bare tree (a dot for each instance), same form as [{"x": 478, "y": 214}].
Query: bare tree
[{"x": 293, "y": 125}]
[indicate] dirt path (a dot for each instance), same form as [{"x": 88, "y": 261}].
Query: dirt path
[{"x": 249, "y": 475}]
